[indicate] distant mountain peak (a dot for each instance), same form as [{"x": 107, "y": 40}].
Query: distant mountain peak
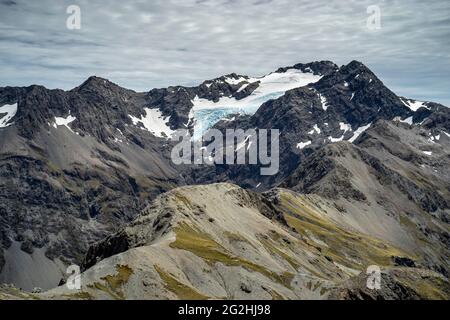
[
  {"x": 355, "y": 68},
  {"x": 323, "y": 67},
  {"x": 96, "y": 83}
]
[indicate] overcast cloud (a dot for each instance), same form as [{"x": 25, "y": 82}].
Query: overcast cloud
[{"x": 146, "y": 44}]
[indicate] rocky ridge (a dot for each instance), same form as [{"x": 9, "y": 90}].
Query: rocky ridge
[{"x": 79, "y": 166}]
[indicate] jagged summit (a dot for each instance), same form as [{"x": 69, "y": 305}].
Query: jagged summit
[
  {"x": 355, "y": 66},
  {"x": 316, "y": 67},
  {"x": 98, "y": 84},
  {"x": 231, "y": 78},
  {"x": 88, "y": 160}
]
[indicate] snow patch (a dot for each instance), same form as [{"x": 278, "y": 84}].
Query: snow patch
[
  {"x": 243, "y": 87},
  {"x": 191, "y": 118},
  {"x": 407, "y": 120},
  {"x": 433, "y": 139},
  {"x": 59, "y": 121},
  {"x": 324, "y": 102},
  {"x": 302, "y": 145},
  {"x": 428, "y": 153},
  {"x": 345, "y": 127},
  {"x": 234, "y": 81},
  {"x": 8, "y": 111},
  {"x": 316, "y": 129},
  {"x": 154, "y": 122},
  {"x": 358, "y": 132},
  {"x": 413, "y": 104},
  {"x": 336, "y": 139}
]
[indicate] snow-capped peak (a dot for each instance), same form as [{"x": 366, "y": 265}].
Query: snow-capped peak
[{"x": 271, "y": 86}]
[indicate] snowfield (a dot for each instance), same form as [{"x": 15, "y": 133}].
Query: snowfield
[
  {"x": 358, "y": 132},
  {"x": 7, "y": 112},
  {"x": 59, "y": 121},
  {"x": 154, "y": 122},
  {"x": 302, "y": 145},
  {"x": 413, "y": 104},
  {"x": 272, "y": 86}
]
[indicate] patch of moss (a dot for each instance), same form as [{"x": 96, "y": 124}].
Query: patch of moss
[
  {"x": 203, "y": 246},
  {"x": 323, "y": 291},
  {"x": 147, "y": 182},
  {"x": 235, "y": 237},
  {"x": 275, "y": 236},
  {"x": 275, "y": 251},
  {"x": 430, "y": 288},
  {"x": 183, "y": 200},
  {"x": 113, "y": 283},
  {"x": 412, "y": 228},
  {"x": 275, "y": 295},
  {"x": 101, "y": 287},
  {"x": 118, "y": 280},
  {"x": 182, "y": 291},
  {"x": 81, "y": 295},
  {"x": 16, "y": 294},
  {"x": 53, "y": 167},
  {"x": 340, "y": 243}
]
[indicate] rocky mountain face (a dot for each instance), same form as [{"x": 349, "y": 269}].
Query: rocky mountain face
[
  {"x": 72, "y": 169},
  {"x": 392, "y": 184},
  {"x": 76, "y": 165},
  {"x": 219, "y": 241},
  {"x": 86, "y": 174},
  {"x": 340, "y": 106}
]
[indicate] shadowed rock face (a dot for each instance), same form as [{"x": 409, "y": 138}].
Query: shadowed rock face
[{"x": 76, "y": 167}]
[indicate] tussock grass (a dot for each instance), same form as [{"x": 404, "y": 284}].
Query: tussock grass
[
  {"x": 203, "y": 246},
  {"x": 113, "y": 284},
  {"x": 182, "y": 291},
  {"x": 341, "y": 244}
]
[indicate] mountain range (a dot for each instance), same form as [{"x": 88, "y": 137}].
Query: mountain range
[{"x": 86, "y": 178}]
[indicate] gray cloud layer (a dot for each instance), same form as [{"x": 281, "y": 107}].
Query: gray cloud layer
[{"x": 146, "y": 44}]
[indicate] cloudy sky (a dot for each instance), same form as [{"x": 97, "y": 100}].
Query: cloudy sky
[{"x": 156, "y": 43}]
